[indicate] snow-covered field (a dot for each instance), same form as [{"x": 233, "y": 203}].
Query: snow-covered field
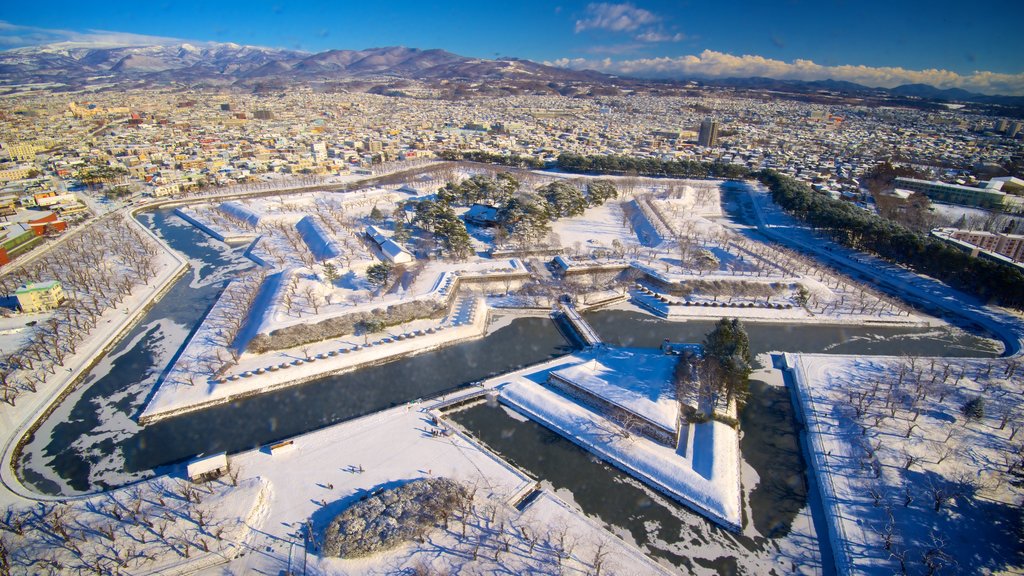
[
  {"x": 329, "y": 469},
  {"x": 162, "y": 526},
  {"x": 912, "y": 484}
]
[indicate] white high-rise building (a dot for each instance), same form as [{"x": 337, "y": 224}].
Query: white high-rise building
[{"x": 319, "y": 151}]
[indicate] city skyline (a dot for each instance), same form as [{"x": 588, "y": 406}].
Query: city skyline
[{"x": 869, "y": 43}]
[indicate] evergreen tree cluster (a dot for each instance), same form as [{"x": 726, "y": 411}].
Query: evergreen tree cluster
[
  {"x": 379, "y": 274},
  {"x": 650, "y": 167},
  {"x": 727, "y": 359},
  {"x": 925, "y": 254},
  {"x": 513, "y": 160},
  {"x": 479, "y": 188},
  {"x": 524, "y": 217},
  {"x": 563, "y": 199},
  {"x": 438, "y": 218}
]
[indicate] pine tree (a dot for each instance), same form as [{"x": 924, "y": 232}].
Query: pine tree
[
  {"x": 379, "y": 274},
  {"x": 401, "y": 232},
  {"x": 330, "y": 273},
  {"x": 974, "y": 409},
  {"x": 729, "y": 347},
  {"x": 375, "y": 214}
]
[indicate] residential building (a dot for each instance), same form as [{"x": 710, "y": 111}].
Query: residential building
[
  {"x": 23, "y": 152},
  {"x": 1009, "y": 245},
  {"x": 8, "y": 205},
  {"x": 16, "y": 173},
  {"x": 319, "y": 150},
  {"x": 39, "y": 296}
]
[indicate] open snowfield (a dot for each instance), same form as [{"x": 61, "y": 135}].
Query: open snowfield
[
  {"x": 326, "y": 471},
  {"x": 910, "y": 483}
]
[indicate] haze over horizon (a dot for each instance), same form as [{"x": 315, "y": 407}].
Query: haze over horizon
[{"x": 871, "y": 43}]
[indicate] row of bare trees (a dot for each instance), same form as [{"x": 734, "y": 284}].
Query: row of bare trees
[
  {"x": 120, "y": 532},
  {"x": 98, "y": 268},
  {"x": 918, "y": 452}
]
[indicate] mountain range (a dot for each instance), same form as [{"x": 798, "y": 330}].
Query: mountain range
[
  {"x": 76, "y": 65},
  {"x": 73, "y": 66}
]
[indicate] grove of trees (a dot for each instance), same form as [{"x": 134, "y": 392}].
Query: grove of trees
[
  {"x": 860, "y": 230},
  {"x": 650, "y": 167},
  {"x": 721, "y": 375}
]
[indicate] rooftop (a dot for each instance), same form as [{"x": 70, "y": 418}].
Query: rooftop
[
  {"x": 37, "y": 286},
  {"x": 638, "y": 381}
]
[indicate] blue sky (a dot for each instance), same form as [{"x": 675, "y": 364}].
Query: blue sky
[{"x": 653, "y": 38}]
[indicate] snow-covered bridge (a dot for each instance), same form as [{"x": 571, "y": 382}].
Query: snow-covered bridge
[{"x": 586, "y": 333}]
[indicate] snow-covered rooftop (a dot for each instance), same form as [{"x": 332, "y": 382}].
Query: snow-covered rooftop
[{"x": 639, "y": 381}]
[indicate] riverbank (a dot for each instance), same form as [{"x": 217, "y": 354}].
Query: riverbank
[{"x": 19, "y": 421}]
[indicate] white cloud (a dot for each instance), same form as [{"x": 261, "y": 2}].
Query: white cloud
[
  {"x": 615, "y": 17},
  {"x": 654, "y": 36},
  {"x": 711, "y": 64},
  {"x": 15, "y": 35}
]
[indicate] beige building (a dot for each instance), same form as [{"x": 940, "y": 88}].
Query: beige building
[
  {"x": 39, "y": 296},
  {"x": 16, "y": 173},
  {"x": 1009, "y": 245}
]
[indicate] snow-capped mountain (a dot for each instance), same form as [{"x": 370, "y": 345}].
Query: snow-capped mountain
[{"x": 77, "y": 64}]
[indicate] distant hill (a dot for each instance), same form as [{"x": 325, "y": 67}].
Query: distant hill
[
  {"x": 69, "y": 65},
  {"x": 916, "y": 91}
]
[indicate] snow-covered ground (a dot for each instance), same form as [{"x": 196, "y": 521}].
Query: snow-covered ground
[
  {"x": 161, "y": 526},
  {"x": 327, "y": 470},
  {"x": 632, "y": 379},
  {"x": 296, "y": 291},
  {"x": 909, "y": 481}
]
